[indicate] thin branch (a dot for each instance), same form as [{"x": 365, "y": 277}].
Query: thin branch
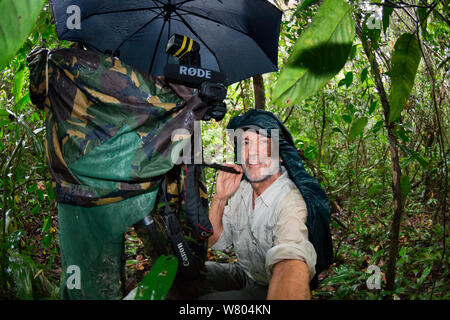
[
  {"x": 289, "y": 114},
  {"x": 28, "y": 181},
  {"x": 402, "y": 4}
]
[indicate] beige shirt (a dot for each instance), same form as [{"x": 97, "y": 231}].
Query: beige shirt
[{"x": 274, "y": 231}]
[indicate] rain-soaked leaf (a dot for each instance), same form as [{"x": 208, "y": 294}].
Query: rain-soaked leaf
[
  {"x": 311, "y": 65},
  {"x": 357, "y": 127},
  {"x": 156, "y": 284},
  {"x": 405, "y": 61},
  {"x": 17, "y": 18}
]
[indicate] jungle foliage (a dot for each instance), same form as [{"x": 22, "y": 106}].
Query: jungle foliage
[{"x": 364, "y": 89}]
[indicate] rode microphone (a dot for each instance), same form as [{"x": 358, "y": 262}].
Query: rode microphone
[{"x": 190, "y": 73}]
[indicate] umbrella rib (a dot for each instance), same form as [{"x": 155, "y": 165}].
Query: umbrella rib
[
  {"x": 156, "y": 47},
  {"x": 161, "y": 3},
  {"x": 181, "y": 3},
  {"x": 141, "y": 28},
  {"x": 168, "y": 37},
  {"x": 120, "y": 11},
  {"x": 195, "y": 33}
]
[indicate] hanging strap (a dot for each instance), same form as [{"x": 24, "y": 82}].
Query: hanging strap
[
  {"x": 188, "y": 267},
  {"x": 196, "y": 211}
]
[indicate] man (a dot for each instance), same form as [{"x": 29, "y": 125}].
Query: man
[{"x": 263, "y": 217}]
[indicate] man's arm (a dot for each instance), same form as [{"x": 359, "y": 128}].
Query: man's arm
[
  {"x": 226, "y": 185},
  {"x": 215, "y": 216},
  {"x": 291, "y": 261},
  {"x": 290, "y": 281}
]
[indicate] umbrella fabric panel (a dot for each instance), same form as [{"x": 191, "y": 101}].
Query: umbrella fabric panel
[{"x": 258, "y": 19}]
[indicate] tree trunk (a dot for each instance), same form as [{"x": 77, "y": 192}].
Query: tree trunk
[
  {"x": 395, "y": 163},
  {"x": 260, "y": 95},
  {"x": 322, "y": 131},
  {"x": 398, "y": 210}
]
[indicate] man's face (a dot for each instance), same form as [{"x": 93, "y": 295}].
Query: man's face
[{"x": 258, "y": 163}]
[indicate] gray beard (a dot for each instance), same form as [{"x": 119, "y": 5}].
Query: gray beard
[{"x": 262, "y": 178}]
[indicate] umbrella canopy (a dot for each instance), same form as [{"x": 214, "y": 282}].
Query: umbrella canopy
[{"x": 237, "y": 37}]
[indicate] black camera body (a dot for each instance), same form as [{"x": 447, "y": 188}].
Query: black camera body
[{"x": 188, "y": 72}]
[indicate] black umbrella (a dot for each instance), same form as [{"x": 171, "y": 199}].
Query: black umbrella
[{"x": 236, "y": 37}]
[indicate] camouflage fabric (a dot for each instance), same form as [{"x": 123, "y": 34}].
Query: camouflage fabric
[
  {"x": 108, "y": 143},
  {"x": 105, "y": 115}
]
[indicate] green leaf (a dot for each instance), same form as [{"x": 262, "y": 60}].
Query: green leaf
[
  {"x": 377, "y": 126},
  {"x": 17, "y": 18},
  {"x": 372, "y": 107},
  {"x": 46, "y": 225},
  {"x": 50, "y": 192},
  {"x": 311, "y": 65},
  {"x": 405, "y": 61},
  {"x": 351, "y": 108},
  {"x": 18, "y": 84},
  {"x": 36, "y": 142},
  {"x": 4, "y": 121},
  {"x": 424, "y": 275},
  {"x": 413, "y": 154},
  {"x": 311, "y": 152},
  {"x": 46, "y": 240},
  {"x": 357, "y": 127},
  {"x": 364, "y": 74},
  {"x": 405, "y": 184},
  {"x": 347, "y": 118},
  {"x": 423, "y": 17},
  {"x": 402, "y": 134},
  {"x": 35, "y": 209},
  {"x": 22, "y": 102},
  {"x": 374, "y": 189},
  {"x": 40, "y": 195},
  {"x": 20, "y": 270},
  {"x": 387, "y": 12},
  {"x": 156, "y": 284},
  {"x": 348, "y": 79}
]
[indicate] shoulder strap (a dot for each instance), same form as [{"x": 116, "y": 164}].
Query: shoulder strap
[{"x": 187, "y": 265}]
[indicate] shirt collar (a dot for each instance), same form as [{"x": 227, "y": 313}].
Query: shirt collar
[{"x": 268, "y": 195}]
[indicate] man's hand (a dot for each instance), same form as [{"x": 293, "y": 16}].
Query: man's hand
[{"x": 227, "y": 183}]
